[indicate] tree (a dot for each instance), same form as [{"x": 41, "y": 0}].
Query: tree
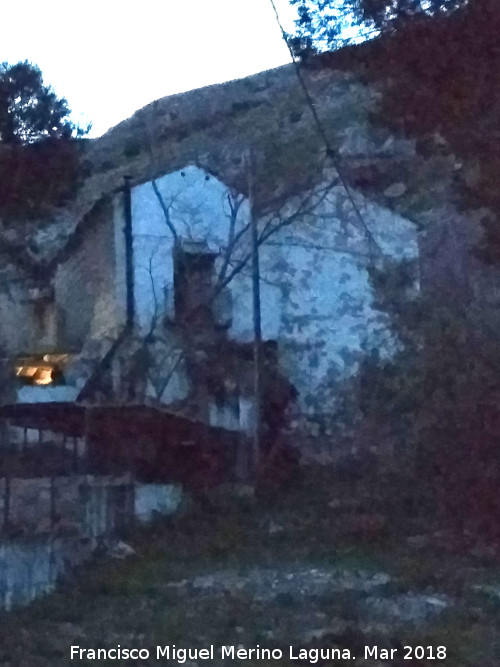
[
  {"x": 30, "y": 111},
  {"x": 40, "y": 165},
  {"x": 333, "y": 23},
  {"x": 435, "y": 401}
]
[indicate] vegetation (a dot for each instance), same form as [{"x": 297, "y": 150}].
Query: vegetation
[
  {"x": 39, "y": 153},
  {"x": 30, "y": 111},
  {"x": 333, "y": 23},
  {"x": 438, "y": 80},
  {"x": 437, "y": 401}
]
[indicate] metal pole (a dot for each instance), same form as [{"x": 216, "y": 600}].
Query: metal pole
[
  {"x": 257, "y": 325},
  {"x": 129, "y": 240},
  {"x": 6, "y": 501}
]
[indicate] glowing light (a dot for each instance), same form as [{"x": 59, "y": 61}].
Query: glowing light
[
  {"x": 26, "y": 371},
  {"x": 43, "y": 376}
]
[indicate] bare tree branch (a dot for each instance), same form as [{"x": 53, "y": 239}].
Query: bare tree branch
[
  {"x": 235, "y": 203},
  {"x": 165, "y": 209},
  {"x": 160, "y": 391},
  {"x": 231, "y": 265},
  {"x": 308, "y": 204},
  {"x": 154, "y": 317}
]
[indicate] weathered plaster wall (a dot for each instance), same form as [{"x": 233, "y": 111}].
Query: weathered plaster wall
[
  {"x": 85, "y": 285},
  {"x": 316, "y": 297},
  {"x": 30, "y": 320},
  {"x": 328, "y": 320},
  {"x": 15, "y": 321}
]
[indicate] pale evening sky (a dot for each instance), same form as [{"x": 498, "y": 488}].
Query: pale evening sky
[{"x": 110, "y": 58}]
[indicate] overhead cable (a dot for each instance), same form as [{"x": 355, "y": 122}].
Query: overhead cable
[{"x": 329, "y": 150}]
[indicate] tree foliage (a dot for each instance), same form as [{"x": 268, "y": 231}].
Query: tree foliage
[
  {"x": 328, "y": 24},
  {"x": 39, "y": 155},
  {"x": 30, "y": 111},
  {"x": 437, "y": 399}
]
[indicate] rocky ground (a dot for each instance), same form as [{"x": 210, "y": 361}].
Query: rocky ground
[{"x": 313, "y": 569}]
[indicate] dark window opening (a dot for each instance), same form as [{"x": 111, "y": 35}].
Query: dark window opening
[{"x": 193, "y": 284}]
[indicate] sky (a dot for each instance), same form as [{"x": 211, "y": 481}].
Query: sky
[{"x": 109, "y": 58}]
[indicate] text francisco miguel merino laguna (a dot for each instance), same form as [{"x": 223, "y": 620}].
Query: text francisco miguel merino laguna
[{"x": 181, "y": 655}]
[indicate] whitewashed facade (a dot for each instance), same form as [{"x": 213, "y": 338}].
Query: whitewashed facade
[{"x": 316, "y": 298}]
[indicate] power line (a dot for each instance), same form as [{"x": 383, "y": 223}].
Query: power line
[{"x": 330, "y": 151}]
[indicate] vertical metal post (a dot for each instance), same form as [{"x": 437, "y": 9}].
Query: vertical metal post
[
  {"x": 129, "y": 262},
  {"x": 257, "y": 324},
  {"x": 6, "y": 501}
]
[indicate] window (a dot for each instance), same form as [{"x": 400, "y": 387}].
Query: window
[{"x": 193, "y": 284}]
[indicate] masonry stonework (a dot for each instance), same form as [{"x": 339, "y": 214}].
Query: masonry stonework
[{"x": 85, "y": 286}]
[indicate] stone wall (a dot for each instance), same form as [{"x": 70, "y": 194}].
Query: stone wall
[
  {"x": 62, "y": 519},
  {"x": 59, "y": 520},
  {"x": 85, "y": 284},
  {"x": 15, "y": 319},
  {"x": 85, "y": 505},
  {"x": 32, "y": 566}
]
